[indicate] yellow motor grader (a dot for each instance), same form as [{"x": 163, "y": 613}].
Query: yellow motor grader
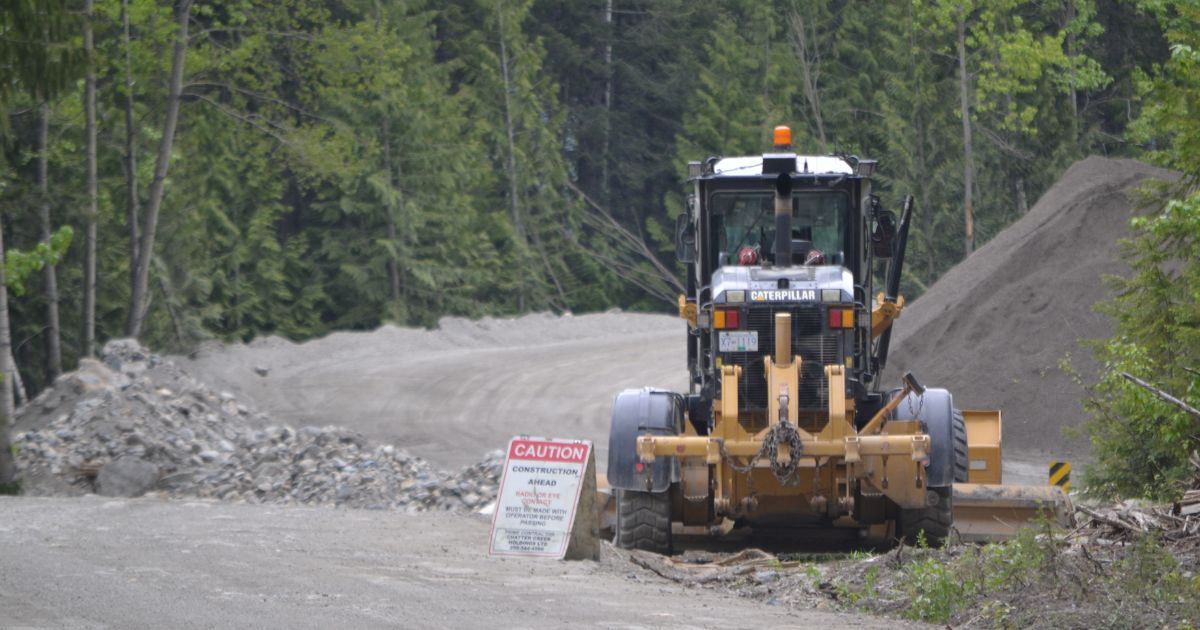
[{"x": 786, "y": 425}]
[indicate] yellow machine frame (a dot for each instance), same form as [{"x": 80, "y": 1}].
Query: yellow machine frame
[{"x": 886, "y": 458}]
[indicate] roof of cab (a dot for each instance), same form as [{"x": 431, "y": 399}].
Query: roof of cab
[{"x": 751, "y": 166}]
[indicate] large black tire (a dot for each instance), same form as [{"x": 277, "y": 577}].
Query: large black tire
[
  {"x": 644, "y": 521},
  {"x": 960, "y": 448},
  {"x": 935, "y": 520}
]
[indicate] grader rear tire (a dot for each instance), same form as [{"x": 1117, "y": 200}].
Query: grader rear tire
[
  {"x": 961, "y": 460},
  {"x": 644, "y": 521},
  {"x": 935, "y": 520}
]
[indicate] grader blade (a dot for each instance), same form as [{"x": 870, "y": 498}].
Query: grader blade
[{"x": 989, "y": 512}]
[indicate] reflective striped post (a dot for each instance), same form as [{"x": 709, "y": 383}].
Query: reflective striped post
[{"x": 1060, "y": 475}]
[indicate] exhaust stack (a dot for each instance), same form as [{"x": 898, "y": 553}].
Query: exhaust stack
[{"x": 783, "y": 220}]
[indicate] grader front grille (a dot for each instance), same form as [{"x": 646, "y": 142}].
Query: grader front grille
[{"x": 816, "y": 350}]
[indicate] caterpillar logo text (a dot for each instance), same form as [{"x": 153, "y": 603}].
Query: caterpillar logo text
[{"x": 787, "y": 295}]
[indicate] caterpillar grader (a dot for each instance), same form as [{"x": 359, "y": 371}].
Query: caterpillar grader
[{"x": 786, "y": 425}]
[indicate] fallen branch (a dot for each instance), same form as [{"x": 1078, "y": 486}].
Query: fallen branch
[
  {"x": 1161, "y": 394},
  {"x": 1115, "y": 522}
]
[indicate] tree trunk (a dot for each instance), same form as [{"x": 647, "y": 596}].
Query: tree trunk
[
  {"x": 968, "y": 151},
  {"x": 139, "y": 296},
  {"x": 7, "y": 468},
  {"x": 514, "y": 202},
  {"x": 922, "y": 197},
  {"x": 1022, "y": 199},
  {"x": 169, "y": 301},
  {"x": 608, "y": 92},
  {"x": 49, "y": 272},
  {"x": 1071, "y": 92},
  {"x": 809, "y": 61},
  {"x": 393, "y": 266},
  {"x": 19, "y": 386},
  {"x": 131, "y": 192},
  {"x": 89, "y": 257}
]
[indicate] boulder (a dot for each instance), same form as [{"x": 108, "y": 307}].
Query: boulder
[{"x": 126, "y": 477}]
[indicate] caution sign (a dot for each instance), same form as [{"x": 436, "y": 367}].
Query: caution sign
[
  {"x": 1060, "y": 475},
  {"x": 539, "y": 503}
]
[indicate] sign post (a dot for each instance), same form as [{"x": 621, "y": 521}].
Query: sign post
[{"x": 546, "y": 503}]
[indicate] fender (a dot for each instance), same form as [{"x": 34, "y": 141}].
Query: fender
[
  {"x": 935, "y": 410},
  {"x": 638, "y": 412}
]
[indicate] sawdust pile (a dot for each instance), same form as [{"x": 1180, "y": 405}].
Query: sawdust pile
[{"x": 994, "y": 328}]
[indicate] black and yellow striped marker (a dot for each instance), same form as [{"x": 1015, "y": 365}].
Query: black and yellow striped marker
[{"x": 1060, "y": 475}]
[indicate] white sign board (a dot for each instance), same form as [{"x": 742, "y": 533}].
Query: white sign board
[{"x": 539, "y": 494}]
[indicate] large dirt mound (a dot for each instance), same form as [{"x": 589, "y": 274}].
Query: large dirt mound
[{"x": 994, "y": 328}]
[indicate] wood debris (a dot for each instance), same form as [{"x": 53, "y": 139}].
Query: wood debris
[{"x": 1175, "y": 524}]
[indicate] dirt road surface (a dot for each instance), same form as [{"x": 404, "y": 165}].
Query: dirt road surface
[
  {"x": 451, "y": 394},
  {"x": 91, "y": 562}
]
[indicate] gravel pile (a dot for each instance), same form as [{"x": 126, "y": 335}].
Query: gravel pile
[
  {"x": 994, "y": 328},
  {"x": 131, "y": 424}
]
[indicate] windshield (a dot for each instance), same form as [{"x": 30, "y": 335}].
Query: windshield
[{"x": 747, "y": 219}]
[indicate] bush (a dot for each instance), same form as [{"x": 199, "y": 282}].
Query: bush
[{"x": 1141, "y": 443}]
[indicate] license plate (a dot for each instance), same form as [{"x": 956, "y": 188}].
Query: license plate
[{"x": 738, "y": 341}]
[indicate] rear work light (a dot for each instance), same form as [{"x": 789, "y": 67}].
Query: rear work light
[
  {"x": 841, "y": 318},
  {"x": 726, "y": 318}
]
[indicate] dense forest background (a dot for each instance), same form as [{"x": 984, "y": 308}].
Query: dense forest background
[{"x": 231, "y": 168}]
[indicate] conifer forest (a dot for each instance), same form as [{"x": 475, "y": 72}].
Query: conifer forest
[{"x": 225, "y": 169}]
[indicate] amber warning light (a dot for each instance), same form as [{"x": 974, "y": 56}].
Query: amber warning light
[{"x": 783, "y": 136}]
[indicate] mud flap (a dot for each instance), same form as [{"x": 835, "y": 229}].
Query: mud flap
[{"x": 638, "y": 412}]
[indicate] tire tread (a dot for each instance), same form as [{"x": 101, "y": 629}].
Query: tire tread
[
  {"x": 936, "y": 521},
  {"x": 961, "y": 460},
  {"x": 644, "y": 521}
]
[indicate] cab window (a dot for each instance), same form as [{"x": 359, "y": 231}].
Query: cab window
[{"x": 747, "y": 219}]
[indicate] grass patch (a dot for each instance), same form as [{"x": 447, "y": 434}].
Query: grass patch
[{"x": 1036, "y": 580}]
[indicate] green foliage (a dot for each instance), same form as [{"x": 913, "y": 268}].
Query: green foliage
[
  {"x": 1140, "y": 442},
  {"x": 1152, "y": 572},
  {"x": 36, "y": 48},
  {"x": 19, "y": 265},
  {"x": 854, "y": 596},
  {"x": 1169, "y": 125},
  {"x": 936, "y": 592},
  {"x": 941, "y": 584},
  {"x": 343, "y": 163}
]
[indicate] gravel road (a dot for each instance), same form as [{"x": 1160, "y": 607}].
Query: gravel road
[
  {"x": 92, "y": 562},
  {"x": 451, "y": 394},
  {"x": 448, "y": 395}
]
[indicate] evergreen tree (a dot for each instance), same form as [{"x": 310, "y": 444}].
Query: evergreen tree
[{"x": 1142, "y": 443}]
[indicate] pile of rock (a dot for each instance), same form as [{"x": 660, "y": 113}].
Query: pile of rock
[{"x": 132, "y": 424}]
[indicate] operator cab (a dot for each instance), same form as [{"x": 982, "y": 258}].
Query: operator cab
[{"x": 737, "y": 280}]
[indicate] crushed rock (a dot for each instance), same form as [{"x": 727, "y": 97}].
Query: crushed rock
[{"x": 132, "y": 423}]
